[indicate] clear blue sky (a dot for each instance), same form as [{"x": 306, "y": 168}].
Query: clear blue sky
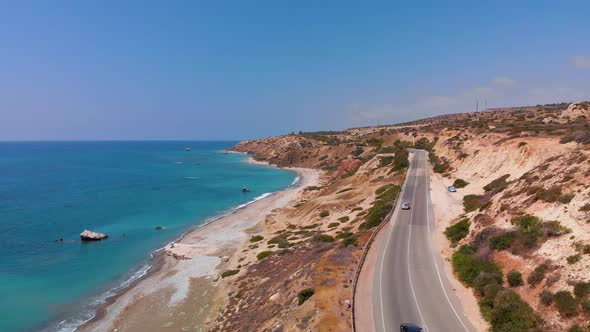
[{"x": 245, "y": 69}]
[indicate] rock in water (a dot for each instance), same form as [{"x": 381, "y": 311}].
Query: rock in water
[{"x": 92, "y": 236}]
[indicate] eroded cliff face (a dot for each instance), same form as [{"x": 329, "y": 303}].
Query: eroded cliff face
[{"x": 527, "y": 204}]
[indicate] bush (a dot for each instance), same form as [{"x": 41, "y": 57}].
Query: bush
[
  {"x": 256, "y": 238},
  {"x": 502, "y": 241},
  {"x": 514, "y": 278},
  {"x": 305, "y": 294},
  {"x": 585, "y": 304},
  {"x": 263, "y": 255},
  {"x": 498, "y": 184},
  {"x": 581, "y": 289},
  {"x": 325, "y": 238},
  {"x": 344, "y": 235},
  {"x": 381, "y": 207},
  {"x": 574, "y": 258},
  {"x": 576, "y": 328},
  {"x": 566, "y": 304},
  {"x": 529, "y": 229},
  {"x": 460, "y": 183},
  {"x": 333, "y": 224},
  {"x": 554, "y": 228},
  {"x": 350, "y": 241},
  {"x": 324, "y": 214},
  {"x": 280, "y": 241},
  {"x": 473, "y": 202},
  {"x": 468, "y": 266},
  {"x": 458, "y": 231},
  {"x": 511, "y": 313},
  {"x": 546, "y": 297},
  {"x": 537, "y": 275},
  {"x": 229, "y": 273},
  {"x": 566, "y": 198},
  {"x": 344, "y": 219}
]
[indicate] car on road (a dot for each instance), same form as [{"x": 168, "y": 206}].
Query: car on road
[
  {"x": 409, "y": 327},
  {"x": 452, "y": 189},
  {"x": 405, "y": 206}
]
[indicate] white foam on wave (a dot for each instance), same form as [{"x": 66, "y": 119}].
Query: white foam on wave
[
  {"x": 254, "y": 200},
  {"x": 191, "y": 177},
  {"x": 295, "y": 181}
]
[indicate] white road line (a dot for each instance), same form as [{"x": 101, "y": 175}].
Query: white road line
[
  {"x": 393, "y": 217},
  {"x": 432, "y": 251},
  {"x": 408, "y": 251}
]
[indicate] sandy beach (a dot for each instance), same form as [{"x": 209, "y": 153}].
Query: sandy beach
[{"x": 186, "y": 290}]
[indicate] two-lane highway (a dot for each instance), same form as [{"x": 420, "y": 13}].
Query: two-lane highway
[{"x": 409, "y": 281}]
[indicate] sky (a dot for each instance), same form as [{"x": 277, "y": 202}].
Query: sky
[{"x": 232, "y": 70}]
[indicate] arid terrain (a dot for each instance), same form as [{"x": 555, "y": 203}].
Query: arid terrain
[{"x": 522, "y": 176}]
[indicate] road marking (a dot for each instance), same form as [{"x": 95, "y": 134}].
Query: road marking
[
  {"x": 408, "y": 252},
  {"x": 432, "y": 251}
]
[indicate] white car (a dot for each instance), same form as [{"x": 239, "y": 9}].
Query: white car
[
  {"x": 405, "y": 206},
  {"x": 452, "y": 189}
]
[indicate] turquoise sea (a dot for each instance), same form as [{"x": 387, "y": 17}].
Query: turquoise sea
[{"x": 55, "y": 190}]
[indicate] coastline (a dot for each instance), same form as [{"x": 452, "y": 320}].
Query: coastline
[{"x": 184, "y": 286}]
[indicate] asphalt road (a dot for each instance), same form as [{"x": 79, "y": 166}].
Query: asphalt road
[{"x": 410, "y": 284}]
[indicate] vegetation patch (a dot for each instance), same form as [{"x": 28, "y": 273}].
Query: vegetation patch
[
  {"x": 514, "y": 278},
  {"x": 325, "y": 238},
  {"x": 324, "y": 214},
  {"x": 458, "y": 231},
  {"x": 263, "y": 255},
  {"x": 502, "y": 241},
  {"x": 537, "y": 275},
  {"x": 344, "y": 235},
  {"x": 383, "y": 204},
  {"x": 498, "y": 184},
  {"x": 350, "y": 241},
  {"x": 229, "y": 273},
  {"x": 280, "y": 240},
  {"x": 573, "y": 259},
  {"x": 304, "y": 295},
  {"x": 460, "y": 183},
  {"x": 468, "y": 266},
  {"x": 256, "y": 238},
  {"x": 582, "y": 290},
  {"x": 546, "y": 297},
  {"x": 344, "y": 219},
  {"x": 473, "y": 202},
  {"x": 566, "y": 304}
]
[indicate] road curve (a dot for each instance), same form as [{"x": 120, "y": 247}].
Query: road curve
[{"x": 410, "y": 284}]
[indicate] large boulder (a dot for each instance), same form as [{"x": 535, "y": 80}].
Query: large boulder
[{"x": 92, "y": 236}]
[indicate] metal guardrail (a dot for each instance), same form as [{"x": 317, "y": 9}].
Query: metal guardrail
[{"x": 368, "y": 247}]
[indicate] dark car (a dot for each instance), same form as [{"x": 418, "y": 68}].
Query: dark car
[
  {"x": 409, "y": 327},
  {"x": 405, "y": 206}
]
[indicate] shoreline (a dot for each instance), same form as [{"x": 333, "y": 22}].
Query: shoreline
[{"x": 198, "y": 255}]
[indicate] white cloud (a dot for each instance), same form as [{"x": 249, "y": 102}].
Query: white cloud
[
  {"x": 581, "y": 61},
  {"x": 503, "y": 80}
]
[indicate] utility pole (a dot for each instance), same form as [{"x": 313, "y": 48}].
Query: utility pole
[
  {"x": 486, "y": 105},
  {"x": 477, "y": 105}
]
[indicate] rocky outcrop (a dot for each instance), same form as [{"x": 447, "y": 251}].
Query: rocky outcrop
[
  {"x": 348, "y": 166},
  {"x": 92, "y": 236}
]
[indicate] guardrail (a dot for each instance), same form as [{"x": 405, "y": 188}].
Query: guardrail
[{"x": 368, "y": 247}]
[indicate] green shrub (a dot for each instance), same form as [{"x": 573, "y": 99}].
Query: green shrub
[
  {"x": 566, "y": 304},
  {"x": 498, "y": 184},
  {"x": 304, "y": 295},
  {"x": 581, "y": 289},
  {"x": 333, "y": 224},
  {"x": 468, "y": 266},
  {"x": 511, "y": 313},
  {"x": 229, "y": 273},
  {"x": 458, "y": 231},
  {"x": 473, "y": 202},
  {"x": 381, "y": 207},
  {"x": 566, "y": 198},
  {"x": 585, "y": 304},
  {"x": 546, "y": 297},
  {"x": 358, "y": 208},
  {"x": 280, "y": 241},
  {"x": 440, "y": 168},
  {"x": 574, "y": 258},
  {"x": 502, "y": 241},
  {"x": 350, "y": 241},
  {"x": 529, "y": 229},
  {"x": 514, "y": 278},
  {"x": 537, "y": 275},
  {"x": 344, "y": 219},
  {"x": 554, "y": 228},
  {"x": 344, "y": 235},
  {"x": 256, "y": 238},
  {"x": 460, "y": 183},
  {"x": 324, "y": 214},
  {"x": 325, "y": 238},
  {"x": 263, "y": 255}
]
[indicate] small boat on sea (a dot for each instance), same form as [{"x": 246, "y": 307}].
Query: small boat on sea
[
  {"x": 245, "y": 190},
  {"x": 187, "y": 149}
]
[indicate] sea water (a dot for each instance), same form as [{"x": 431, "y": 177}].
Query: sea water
[{"x": 54, "y": 190}]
